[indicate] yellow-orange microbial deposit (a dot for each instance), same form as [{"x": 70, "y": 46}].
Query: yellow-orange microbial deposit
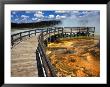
[{"x": 78, "y": 57}]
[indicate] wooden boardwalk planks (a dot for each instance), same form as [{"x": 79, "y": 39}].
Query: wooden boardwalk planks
[{"x": 23, "y": 58}]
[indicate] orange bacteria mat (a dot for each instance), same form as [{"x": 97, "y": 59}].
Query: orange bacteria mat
[{"x": 79, "y": 57}]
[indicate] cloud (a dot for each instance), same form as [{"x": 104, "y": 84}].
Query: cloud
[
  {"x": 63, "y": 16},
  {"x": 39, "y": 14},
  {"x": 16, "y": 19},
  {"x": 24, "y": 16},
  {"x": 29, "y": 11},
  {"x": 70, "y": 18},
  {"x": 39, "y": 20},
  {"x": 83, "y": 14},
  {"x": 34, "y": 19},
  {"x": 24, "y": 19},
  {"x": 82, "y": 18},
  {"x": 93, "y": 13},
  {"x": 61, "y": 11},
  {"x": 75, "y": 11},
  {"x": 51, "y": 16},
  {"x": 60, "y": 17},
  {"x": 12, "y": 16}
]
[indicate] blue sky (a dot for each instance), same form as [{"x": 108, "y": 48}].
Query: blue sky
[
  {"x": 35, "y": 16},
  {"x": 69, "y": 18}
]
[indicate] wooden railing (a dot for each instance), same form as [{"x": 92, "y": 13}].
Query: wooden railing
[
  {"x": 19, "y": 36},
  {"x": 45, "y": 68}
]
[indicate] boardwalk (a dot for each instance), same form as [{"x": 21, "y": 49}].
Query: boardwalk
[
  {"x": 23, "y": 58},
  {"x": 23, "y": 55}
]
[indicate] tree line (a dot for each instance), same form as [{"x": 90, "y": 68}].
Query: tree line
[{"x": 36, "y": 24}]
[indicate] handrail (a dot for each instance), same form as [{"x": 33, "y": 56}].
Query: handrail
[
  {"x": 45, "y": 35},
  {"x": 45, "y": 68},
  {"x": 45, "y": 62},
  {"x": 20, "y": 35}
]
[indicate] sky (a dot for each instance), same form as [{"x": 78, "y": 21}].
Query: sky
[
  {"x": 69, "y": 18},
  {"x": 36, "y": 16}
]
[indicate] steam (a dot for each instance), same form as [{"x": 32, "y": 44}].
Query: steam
[{"x": 89, "y": 20}]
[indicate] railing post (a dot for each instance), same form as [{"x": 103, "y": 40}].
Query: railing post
[
  {"x": 12, "y": 43},
  {"x": 39, "y": 65},
  {"x": 50, "y": 71},
  {"x": 71, "y": 33},
  {"x": 54, "y": 30},
  {"x": 43, "y": 59},
  {"x": 79, "y": 29},
  {"x": 62, "y": 32},
  {"x": 93, "y": 31},
  {"x": 49, "y": 35},
  {"x": 35, "y": 32},
  {"x": 47, "y": 31},
  {"x": 87, "y": 32},
  {"x": 29, "y": 33},
  {"x": 20, "y": 36}
]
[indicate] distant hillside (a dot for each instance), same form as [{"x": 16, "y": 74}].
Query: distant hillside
[{"x": 35, "y": 25}]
